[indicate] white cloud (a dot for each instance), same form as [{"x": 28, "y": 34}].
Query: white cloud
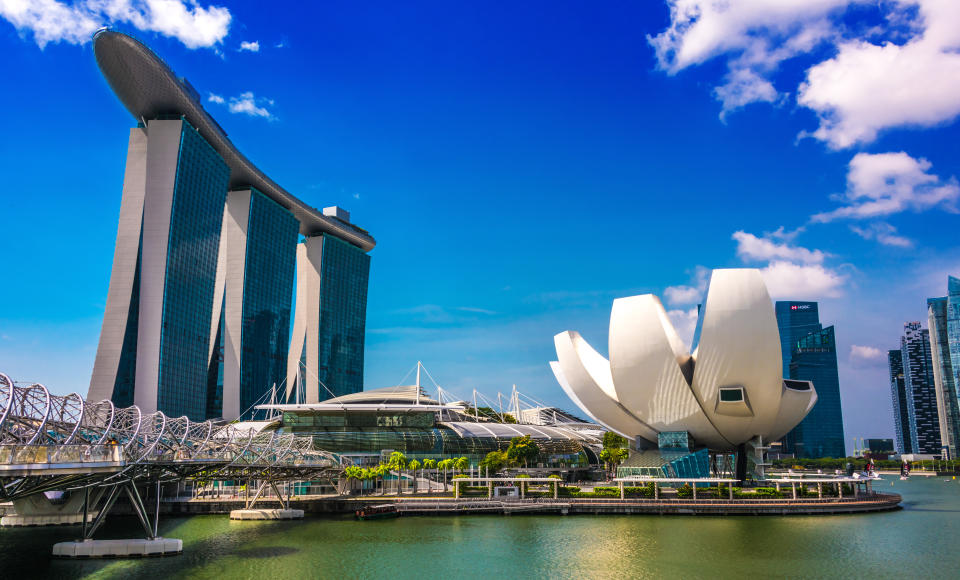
[
  {"x": 756, "y": 35},
  {"x": 685, "y": 323},
  {"x": 884, "y": 233},
  {"x": 792, "y": 272},
  {"x": 251, "y": 46},
  {"x": 248, "y": 104},
  {"x": 50, "y": 21},
  {"x": 74, "y": 23},
  {"x": 683, "y": 295},
  {"x": 904, "y": 72},
  {"x": 214, "y": 98},
  {"x": 882, "y": 184},
  {"x": 790, "y": 281},
  {"x": 752, "y": 248},
  {"x": 867, "y": 353},
  {"x": 677, "y": 295},
  {"x": 868, "y": 87}
]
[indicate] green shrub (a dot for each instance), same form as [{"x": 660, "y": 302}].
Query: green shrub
[{"x": 685, "y": 491}]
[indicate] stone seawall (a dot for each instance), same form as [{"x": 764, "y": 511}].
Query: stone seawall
[{"x": 449, "y": 506}]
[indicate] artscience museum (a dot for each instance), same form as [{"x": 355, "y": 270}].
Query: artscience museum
[{"x": 727, "y": 392}]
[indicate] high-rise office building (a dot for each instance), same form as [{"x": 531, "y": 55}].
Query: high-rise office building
[
  {"x": 944, "y": 323},
  {"x": 328, "y": 338},
  {"x": 198, "y": 310},
  {"x": 921, "y": 393},
  {"x": 944, "y": 378},
  {"x": 810, "y": 354},
  {"x": 898, "y": 394}
]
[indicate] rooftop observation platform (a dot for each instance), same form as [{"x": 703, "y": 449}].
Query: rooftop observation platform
[{"x": 148, "y": 88}]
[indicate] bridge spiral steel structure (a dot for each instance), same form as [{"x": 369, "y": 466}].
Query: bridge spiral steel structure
[{"x": 52, "y": 442}]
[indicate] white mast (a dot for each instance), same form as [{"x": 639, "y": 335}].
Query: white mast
[
  {"x": 476, "y": 410},
  {"x": 418, "y": 381}
]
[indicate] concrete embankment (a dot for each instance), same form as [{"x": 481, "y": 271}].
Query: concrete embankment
[{"x": 445, "y": 505}]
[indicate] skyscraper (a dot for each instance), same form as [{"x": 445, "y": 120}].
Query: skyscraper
[
  {"x": 898, "y": 393},
  {"x": 944, "y": 378},
  {"x": 944, "y": 323},
  {"x": 810, "y": 354},
  {"x": 198, "y": 310},
  {"x": 924, "y": 419},
  {"x": 328, "y": 338},
  {"x": 156, "y": 327}
]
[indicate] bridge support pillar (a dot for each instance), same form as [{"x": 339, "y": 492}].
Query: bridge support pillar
[{"x": 151, "y": 545}]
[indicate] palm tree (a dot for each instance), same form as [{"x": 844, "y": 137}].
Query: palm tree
[
  {"x": 461, "y": 464},
  {"x": 429, "y": 464},
  {"x": 398, "y": 461},
  {"x": 415, "y": 465}
]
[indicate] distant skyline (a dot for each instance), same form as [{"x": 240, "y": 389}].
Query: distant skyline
[{"x": 516, "y": 164}]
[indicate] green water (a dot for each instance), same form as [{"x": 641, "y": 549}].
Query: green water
[{"x": 923, "y": 540}]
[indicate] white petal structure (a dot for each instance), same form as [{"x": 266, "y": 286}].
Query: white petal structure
[{"x": 729, "y": 390}]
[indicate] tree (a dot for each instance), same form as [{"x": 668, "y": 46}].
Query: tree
[
  {"x": 461, "y": 464},
  {"x": 613, "y": 457},
  {"x": 522, "y": 450},
  {"x": 414, "y": 465},
  {"x": 494, "y": 461},
  {"x": 612, "y": 440},
  {"x": 398, "y": 462}
]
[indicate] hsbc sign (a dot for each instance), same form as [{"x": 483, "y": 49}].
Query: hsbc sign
[{"x": 799, "y": 307}]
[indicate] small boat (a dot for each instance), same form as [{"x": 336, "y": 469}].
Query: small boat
[{"x": 378, "y": 512}]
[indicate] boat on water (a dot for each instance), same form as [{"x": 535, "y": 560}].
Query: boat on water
[
  {"x": 378, "y": 512},
  {"x": 905, "y": 471}
]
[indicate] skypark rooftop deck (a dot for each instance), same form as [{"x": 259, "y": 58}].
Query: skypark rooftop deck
[{"x": 148, "y": 88}]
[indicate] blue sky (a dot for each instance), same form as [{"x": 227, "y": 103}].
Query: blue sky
[{"x": 520, "y": 166}]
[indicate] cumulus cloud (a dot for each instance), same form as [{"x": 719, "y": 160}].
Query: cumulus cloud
[
  {"x": 787, "y": 280},
  {"x": 685, "y": 323},
  {"x": 882, "y": 184},
  {"x": 792, "y": 272},
  {"x": 868, "y": 353},
  {"x": 250, "y": 46},
  {"x": 245, "y": 104},
  {"x": 883, "y": 233},
  {"x": 74, "y": 23},
  {"x": 755, "y": 35},
  {"x": 752, "y": 248},
  {"x": 692, "y": 294},
  {"x": 869, "y": 87},
  {"x": 904, "y": 72}
]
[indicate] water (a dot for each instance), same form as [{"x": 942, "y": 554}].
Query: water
[{"x": 923, "y": 539}]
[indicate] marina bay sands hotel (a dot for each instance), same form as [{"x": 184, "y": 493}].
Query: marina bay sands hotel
[{"x": 198, "y": 311}]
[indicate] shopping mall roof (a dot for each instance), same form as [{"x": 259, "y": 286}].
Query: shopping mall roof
[{"x": 148, "y": 88}]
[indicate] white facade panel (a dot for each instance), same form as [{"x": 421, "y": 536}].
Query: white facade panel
[
  {"x": 306, "y": 323},
  {"x": 162, "y": 157},
  {"x": 124, "y": 270},
  {"x": 237, "y": 221},
  {"x": 729, "y": 391}
]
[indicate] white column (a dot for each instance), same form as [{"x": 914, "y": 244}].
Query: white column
[
  {"x": 235, "y": 221},
  {"x": 306, "y": 320},
  {"x": 162, "y": 156},
  {"x": 120, "y": 291}
]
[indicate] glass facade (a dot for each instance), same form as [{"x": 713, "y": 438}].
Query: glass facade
[
  {"x": 269, "y": 271},
  {"x": 215, "y": 373},
  {"x": 344, "y": 274},
  {"x": 809, "y": 354},
  {"x": 953, "y": 329},
  {"x": 944, "y": 376},
  {"x": 126, "y": 378},
  {"x": 196, "y": 216},
  {"x": 898, "y": 393},
  {"x": 418, "y": 435},
  {"x": 921, "y": 392}
]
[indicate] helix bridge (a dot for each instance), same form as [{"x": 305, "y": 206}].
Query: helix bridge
[{"x": 96, "y": 450}]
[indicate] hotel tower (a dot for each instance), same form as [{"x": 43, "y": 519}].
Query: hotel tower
[{"x": 209, "y": 255}]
